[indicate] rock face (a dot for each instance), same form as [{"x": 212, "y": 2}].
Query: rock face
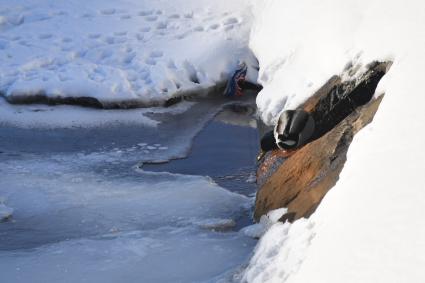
[{"x": 300, "y": 181}]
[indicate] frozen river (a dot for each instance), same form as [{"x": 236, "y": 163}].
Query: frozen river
[{"x": 99, "y": 204}]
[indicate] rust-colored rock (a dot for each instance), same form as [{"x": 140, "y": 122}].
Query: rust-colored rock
[
  {"x": 299, "y": 182},
  {"x": 305, "y": 177}
]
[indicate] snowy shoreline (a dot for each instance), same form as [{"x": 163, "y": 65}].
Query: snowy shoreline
[
  {"x": 120, "y": 55},
  {"x": 93, "y": 102}
]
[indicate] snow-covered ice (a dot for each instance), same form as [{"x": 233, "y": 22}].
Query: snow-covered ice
[
  {"x": 217, "y": 224},
  {"x": 162, "y": 255},
  {"x": 83, "y": 210},
  {"x": 64, "y": 116},
  {"x": 87, "y": 215},
  {"x": 369, "y": 227},
  {"x": 120, "y": 53}
]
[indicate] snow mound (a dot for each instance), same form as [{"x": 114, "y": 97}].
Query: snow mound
[
  {"x": 266, "y": 221},
  {"x": 121, "y": 54},
  {"x": 280, "y": 252},
  {"x": 369, "y": 227},
  {"x": 302, "y": 44}
]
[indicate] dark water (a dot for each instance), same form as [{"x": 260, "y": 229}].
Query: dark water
[
  {"x": 216, "y": 138},
  {"x": 223, "y": 151},
  {"x": 85, "y": 212}
]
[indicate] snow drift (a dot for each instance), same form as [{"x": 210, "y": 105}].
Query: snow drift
[
  {"x": 125, "y": 54},
  {"x": 369, "y": 226}
]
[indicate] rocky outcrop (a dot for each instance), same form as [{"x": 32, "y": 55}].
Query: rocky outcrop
[{"x": 299, "y": 182}]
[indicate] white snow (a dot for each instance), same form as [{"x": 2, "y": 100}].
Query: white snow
[
  {"x": 280, "y": 252},
  {"x": 369, "y": 227},
  {"x": 266, "y": 221},
  {"x": 127, "y": 51},
  {"x": 302, "y": 44}
]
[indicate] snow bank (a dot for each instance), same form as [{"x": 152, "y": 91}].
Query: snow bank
[
  {"x": 302, "y": 44},
  {"x": 127, "y": 52},
  {"x": 279, "y": 252},
  {"x": 369, "y": 228},
  {"x": 266, "y": 221}
]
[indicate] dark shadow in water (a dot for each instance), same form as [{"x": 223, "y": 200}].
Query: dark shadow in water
[{"x": 225, "y": 150}]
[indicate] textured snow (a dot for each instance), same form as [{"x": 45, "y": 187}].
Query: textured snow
[
  {"x": 300, "y": 45},
  {"x": 369, "y": 227},
  {"x": 280, "y": 252},
  {"x": 266, "y": 221},
  {"x": 127, "y": 51}
]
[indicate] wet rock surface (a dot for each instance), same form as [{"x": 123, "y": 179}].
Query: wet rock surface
[{"x": 299, "y": 182}]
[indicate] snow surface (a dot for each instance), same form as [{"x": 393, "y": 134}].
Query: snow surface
[
  {"x": 280, "y": 252},
  {"x": 266, "y": 221},
  {"x": 127, "y": 51},
  {"x": 302, "y": 44},
  {"x": 370, "y": 226}
]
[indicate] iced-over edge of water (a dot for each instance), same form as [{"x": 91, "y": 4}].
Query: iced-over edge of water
[
  {"x": 124, "y": 229},
  {"x": 120, "y": 224}
]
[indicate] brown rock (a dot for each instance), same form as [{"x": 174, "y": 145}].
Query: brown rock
[{"x": 300, "y": 181}]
